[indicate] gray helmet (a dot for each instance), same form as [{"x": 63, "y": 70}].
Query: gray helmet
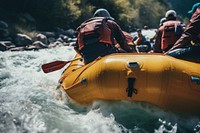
[
  {"x": 170, "y": 14},
  {"x": 102, "y": 13},
  {"x": 162, "y": 20}
]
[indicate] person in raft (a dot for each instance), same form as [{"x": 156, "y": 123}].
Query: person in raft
[
  {"x": 97, "y": 35},
  {"x": 168, "y": 33},
  {"x": 191, "y": 34},
  {"x": 141, "y": 42}
]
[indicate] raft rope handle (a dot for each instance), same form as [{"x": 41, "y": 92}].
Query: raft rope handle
[
  {"x": 64, "y": 76},
  {"x": 87, "y": 68},
  {"x": 74, "y": 83},
  {"x": 130, "y": 89},
  {"x": 83, "y": 80}
]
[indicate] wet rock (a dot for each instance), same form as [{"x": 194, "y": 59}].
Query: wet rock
[
  {"x": 56, "y": 44},
  {"x": 64, "y": 38},
  {"x": 71, "y": 44},
  {"x": 39, "y": 44},
  {"x": 46, "y": 39},
  {"x": 70, "y": 33},
  {"x": 49, "y": 34},
  {"x": 4, "y": 32},
  {"x": 51, "y": 40},
  {"x": 52, "y": 45},
  {"x": 3, "y": 25},
  {"x": 42, "y": 38},
  {"x": 73, "y": 39},
  {"x": 36, "y": 46},
  {"x": 5, "y": 45},
  {"x": 17, "y": 49},
  {"x": 60, "y": 40},
  {"x": 23, "y": 40},
  {"x": 31, "y": 47}
]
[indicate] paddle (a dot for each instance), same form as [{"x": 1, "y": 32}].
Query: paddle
[{"x": 56, "y": 65}]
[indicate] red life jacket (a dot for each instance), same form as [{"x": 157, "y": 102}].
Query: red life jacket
[
  {"x": 92, "y": 31},
  {"x": 172, "y": 31}
]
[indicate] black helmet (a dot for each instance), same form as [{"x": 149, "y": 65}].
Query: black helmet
[{"x": 102, "y": 13}]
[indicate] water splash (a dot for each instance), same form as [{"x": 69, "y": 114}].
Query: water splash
[
  {"x": 166, "y": 127},
  {"x": 29, "y": 104}
]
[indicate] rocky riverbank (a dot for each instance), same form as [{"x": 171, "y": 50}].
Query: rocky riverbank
[{"x": 35, "y": 40}]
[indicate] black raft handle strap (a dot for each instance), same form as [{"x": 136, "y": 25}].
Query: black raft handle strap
[{"x": 130, "y": 89}]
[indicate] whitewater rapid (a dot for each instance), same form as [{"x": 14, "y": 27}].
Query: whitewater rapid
[{"x": 29, "y": 103}]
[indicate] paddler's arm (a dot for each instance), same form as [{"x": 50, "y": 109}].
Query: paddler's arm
[
  {"x": 76, "y": 47},
  {"x": 157, "y": 45},
  {"x": 191, "y": 33},
  {"x": 119, "y": 36}
]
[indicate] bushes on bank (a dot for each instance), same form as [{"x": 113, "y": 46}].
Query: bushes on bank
[{"x": 50, "y": 14}]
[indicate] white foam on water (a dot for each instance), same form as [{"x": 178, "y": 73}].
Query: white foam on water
[{"x": 28, "y": 102}]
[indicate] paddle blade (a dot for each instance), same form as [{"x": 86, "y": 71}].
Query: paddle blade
[{"x": 53, "y": 66}]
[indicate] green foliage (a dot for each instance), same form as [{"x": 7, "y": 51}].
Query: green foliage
[
  {"x": 49, "y": 14},
  {"x": 148, "y": 12},
  {"x": 119, "y": 9}
]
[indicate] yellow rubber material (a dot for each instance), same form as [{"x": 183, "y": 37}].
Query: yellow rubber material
[{"x": 160, "y": 80}]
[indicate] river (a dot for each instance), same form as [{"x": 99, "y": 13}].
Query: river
[{"x": 29, "y": 103}]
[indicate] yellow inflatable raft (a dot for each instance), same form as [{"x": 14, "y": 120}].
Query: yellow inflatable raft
[{"x": 157, "y": 79}]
